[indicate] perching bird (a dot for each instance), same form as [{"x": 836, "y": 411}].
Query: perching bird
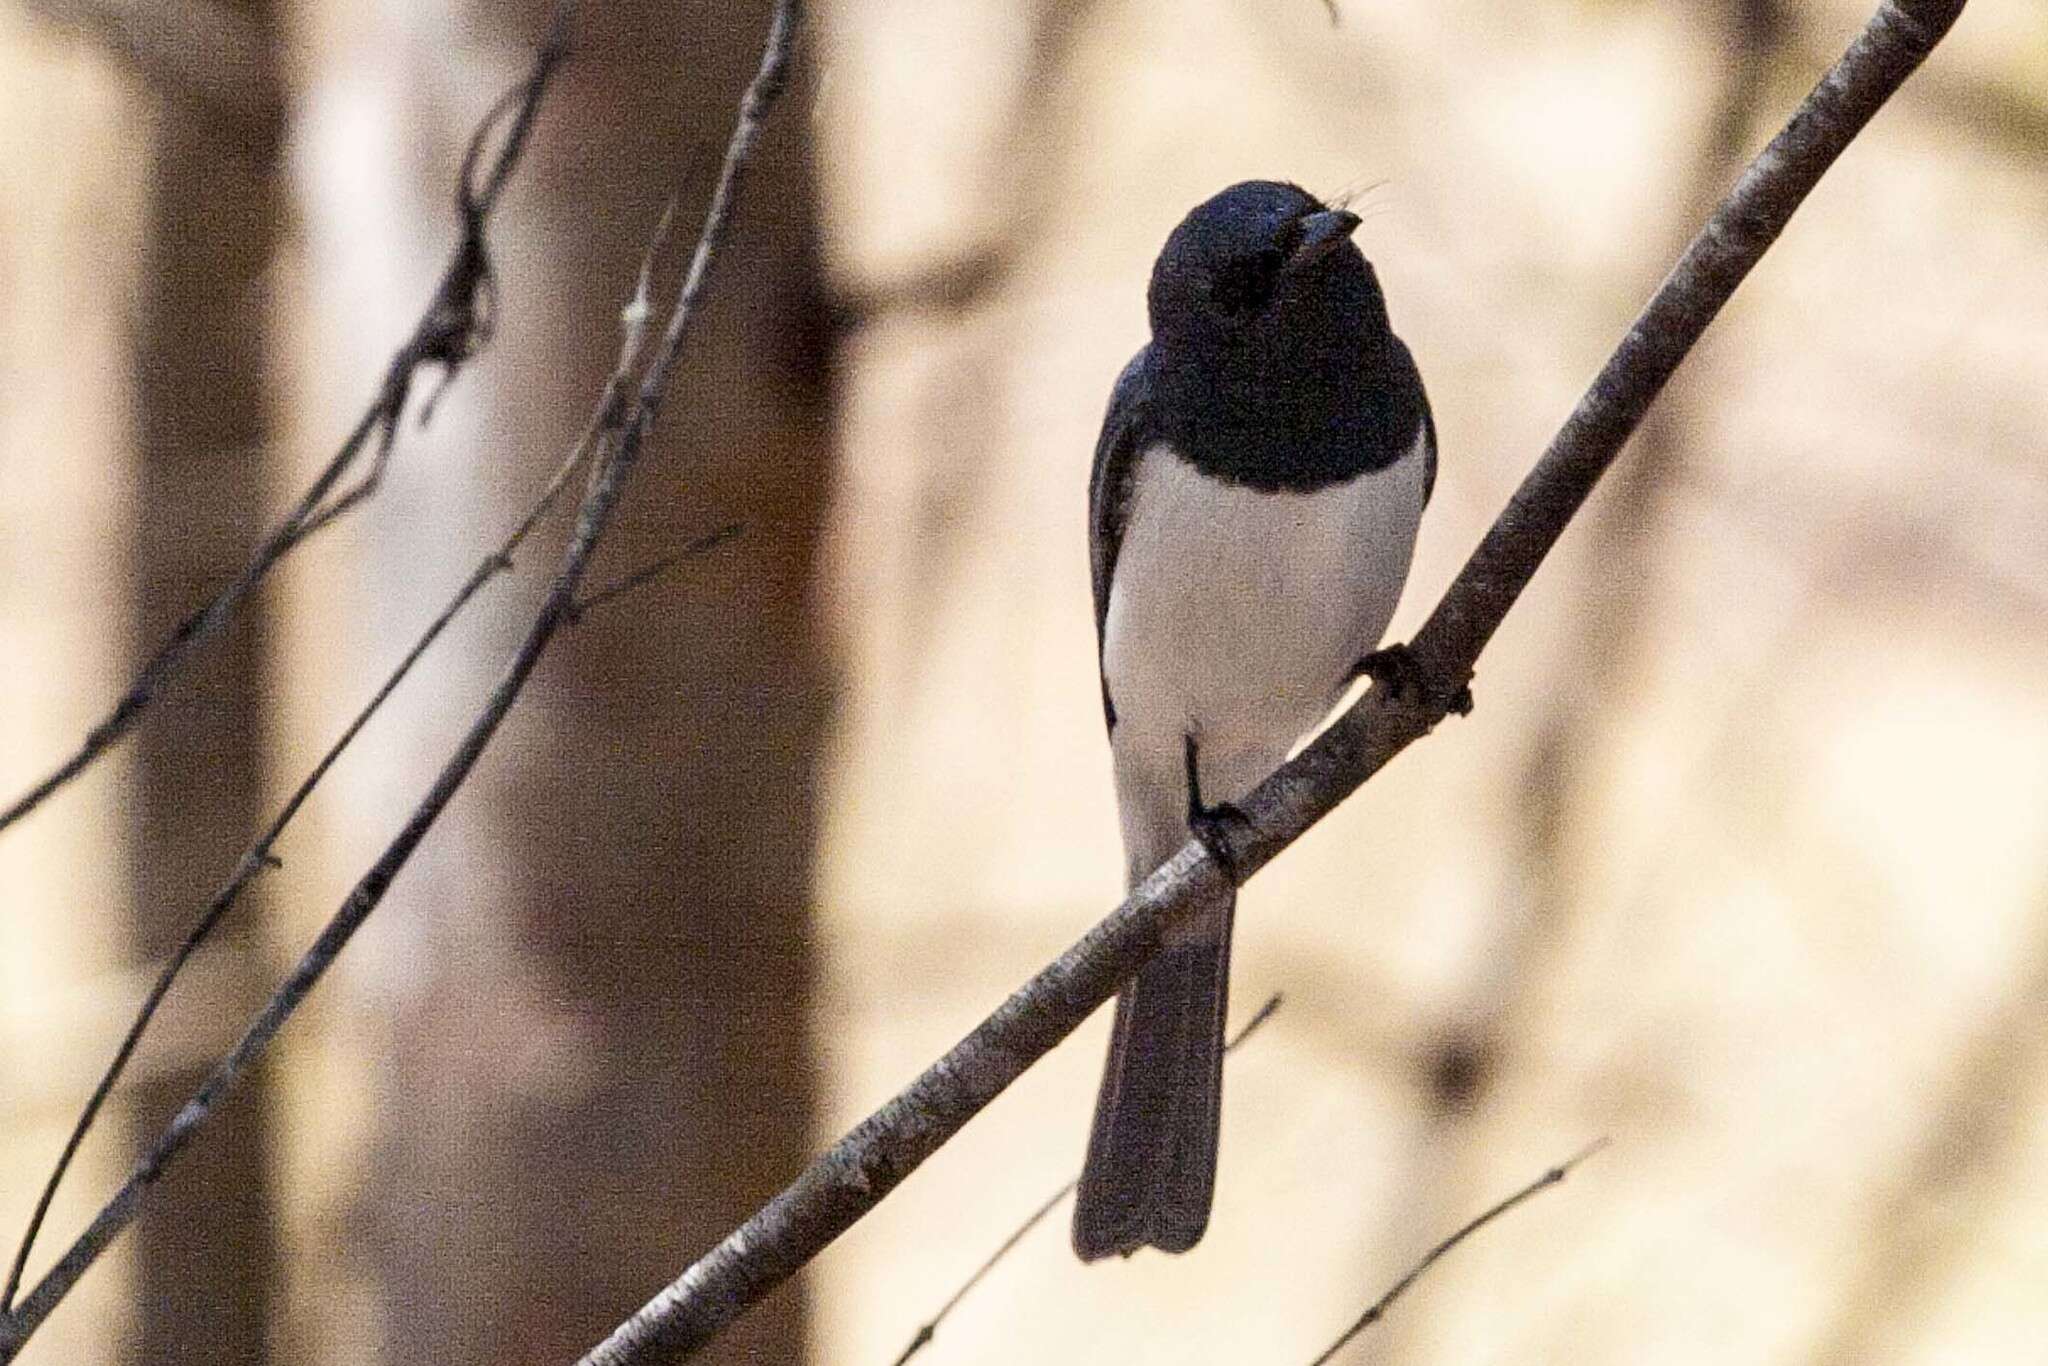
[{"x": 1251, "y": 516}]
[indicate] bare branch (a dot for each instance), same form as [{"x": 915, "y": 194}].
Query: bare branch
[
  {"x": 451, "y": 330},
  {"x": 929, "y": 1329},
  {"x": 647, "y": 573},
  {"x": 259, "y": 856},
  {"x": 594, "y": 517},
  {"x": 855, "y": 1173},
  {"x": 1379, "y": 1307}
]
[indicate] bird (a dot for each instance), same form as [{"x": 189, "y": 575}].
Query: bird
[{"x": 1252, "y": 513}]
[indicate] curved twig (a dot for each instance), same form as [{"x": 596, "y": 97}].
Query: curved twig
[
  {"x": 453, "y": 327},
  {"x": 1377, "y": 1310},
  {"x": 260, "y": 856},
  {"x": 593, "y": 520}
]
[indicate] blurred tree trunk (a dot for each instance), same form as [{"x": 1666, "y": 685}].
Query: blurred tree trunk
[
  {"x": 594, "y": 980},
  {"x": 158, "y": 315},
  {"x": 206, "y": 1255}
]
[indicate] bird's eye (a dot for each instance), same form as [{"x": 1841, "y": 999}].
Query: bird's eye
[{"x": 1244, "y": 285}]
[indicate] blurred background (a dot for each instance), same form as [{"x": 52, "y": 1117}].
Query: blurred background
[{"x": 1742, "y": 860}]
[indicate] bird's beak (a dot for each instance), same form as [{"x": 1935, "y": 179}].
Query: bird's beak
[{"x": 1321, "y": 233}]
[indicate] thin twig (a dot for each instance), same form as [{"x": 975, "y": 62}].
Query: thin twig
[
  {"x": 929, "y": 1329},
  {"x": 858, "y": 1171},
  {"x": 454, "y": 325},
  {"x": 647, "y": 573},
  {"x": 463, "y": 315},
  {"x": 594, "y": 518},
  {"x": 1379, "y": 1307},
  {"x": 260, "y": 856}
]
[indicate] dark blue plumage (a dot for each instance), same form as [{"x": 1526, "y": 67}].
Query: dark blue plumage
[
  {"x": 1252, "y": 508},
  {"x": 1271, "y": 363}
]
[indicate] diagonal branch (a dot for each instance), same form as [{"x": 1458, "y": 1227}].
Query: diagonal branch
[
  {"x": 454, "y": 326},
  {"x": 622, "y": 444},
  {"x": 852, "y": 1176}
]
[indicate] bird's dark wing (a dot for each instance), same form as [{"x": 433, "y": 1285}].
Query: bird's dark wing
[
  {"x": 1109, "y": 491},
  {"x": 1408, "y": 374},
  {"x": 1429, "y": 454}
]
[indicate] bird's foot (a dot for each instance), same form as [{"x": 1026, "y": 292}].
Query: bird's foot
[
  {"x": 1395, "y": 669},
  {"x": 1218, "y": 828}
]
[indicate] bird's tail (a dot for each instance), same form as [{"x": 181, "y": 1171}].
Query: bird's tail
[{"x": 1151, "y": 1168}]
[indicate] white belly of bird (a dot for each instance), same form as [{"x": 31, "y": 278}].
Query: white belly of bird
[{"x": 1237, "y": 616}]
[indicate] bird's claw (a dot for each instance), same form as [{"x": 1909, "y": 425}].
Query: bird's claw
[
  {"x": 1395, "y": 669},
  {"x": 1216, "y": 828}
]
